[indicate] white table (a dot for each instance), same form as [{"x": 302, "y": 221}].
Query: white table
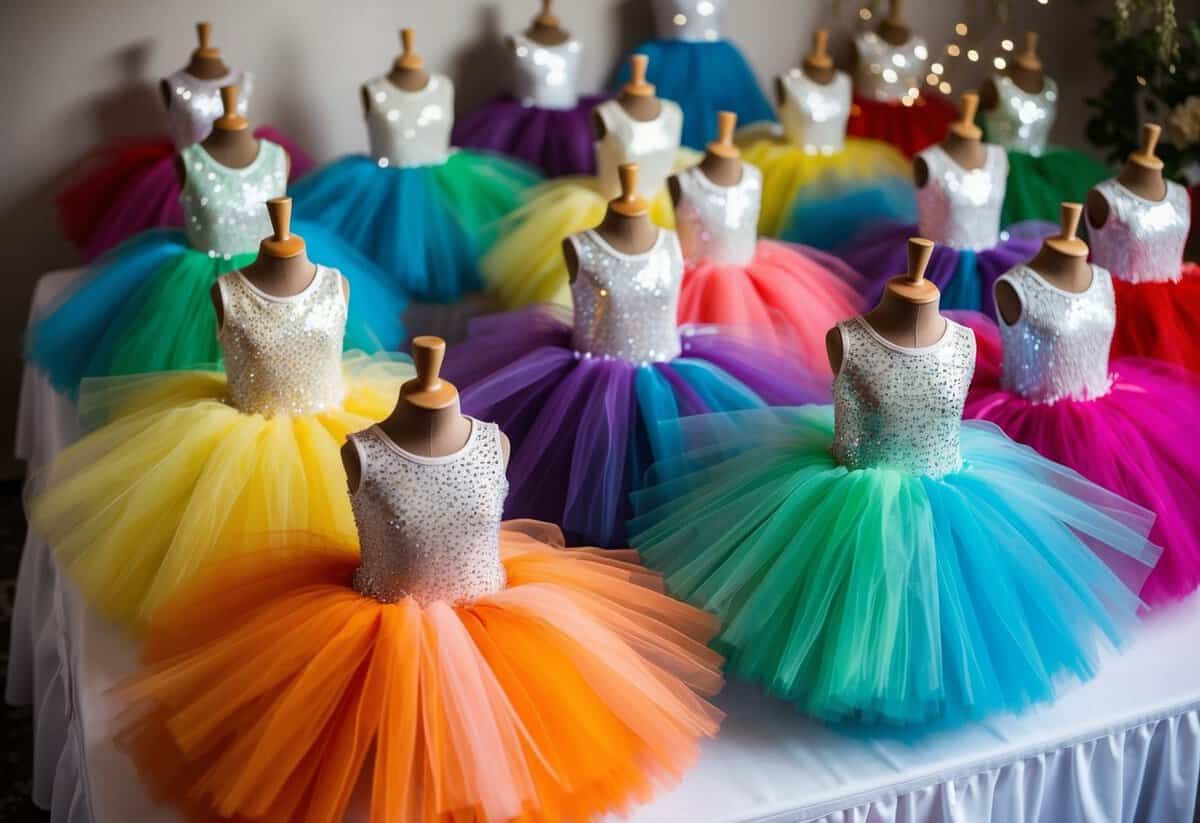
[{"x": 1125, "y": 747}]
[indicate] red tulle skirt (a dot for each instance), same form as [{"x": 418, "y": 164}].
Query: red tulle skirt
[
  {"x": 1160, "y": 320},
  {"x": 908, "y": 128}
]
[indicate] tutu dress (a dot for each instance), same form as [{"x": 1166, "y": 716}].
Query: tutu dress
[
  {"x": 1158, "y": 293},
  {"x": 544, "y": 122},
  {"x": 959, "y": 209},
  {"x": 130, "y": 185},
  {"x": 881, "y": 561},
  {"x": 692, "y": 64},
  {"x": 466, "y": 669},
  {"x": 418, "y": 209},
  {"x": 1050, "y": 386},
  {"x": 888, "y": 102},
  {"x": 145, "y": 306},
  {"x": 583, "y": 401},
  {"x": 787, "y": 293},
  {"x": 176, "y": 462}
]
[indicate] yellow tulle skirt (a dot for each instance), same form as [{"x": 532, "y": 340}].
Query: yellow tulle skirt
[{"x": 136, "y": 507}]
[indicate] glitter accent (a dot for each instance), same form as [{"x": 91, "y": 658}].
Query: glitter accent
[
  {"x": 430, "y": 527},
  {"x": 960, "y": 207},
  {"x": 1058, "y": 347},
  {"x": 718, "y": 223},
  {"x": 410, "y": 128},
  {"x": 696, "y": 21},
  {"x": 1022, "y": 121},
  {"x": 626, "y": 304},
  {"x": 1142, "y": 240},
  {"x": 196, "y": 103},
  {"x": 814, "y": 116},
  {"x": 283, "y": 355},
  {"x": 224, "y": 209},
  {"x": 546, "y": 76},
  {"x": 901, "y": 407},
  {"x": 885, "y": 72},
  {"x": 651, "y": 144}
]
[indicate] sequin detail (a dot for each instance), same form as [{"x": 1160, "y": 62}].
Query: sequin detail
[
  {"x": 1022, "y": 121},
  {"x": 691, "y": 20},
  {"x": 429, "y": 528},
  {"x": 626, "y": 304},
  {"x": 717, "y": 223},
  {"x": 960, "y": 207},
  {"x": 196, "y": 103},
  {"x": 889, "y": 73},
  {"x": 1142, "y": 240},
  {"x": 814, "y": 115},
  {"x": 224, "y": 209},
  {"x": 1058, "y": 347},
  {"x": 546, "y": 76},
  {"x": 900, "y": 407},
  {"x": 651, "y": 144},
  {"x": 283, "y": 355},
  {"x": 410, "y": 128}
]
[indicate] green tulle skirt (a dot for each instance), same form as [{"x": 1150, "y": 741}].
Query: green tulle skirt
[{"x": 1037, "y": 186}]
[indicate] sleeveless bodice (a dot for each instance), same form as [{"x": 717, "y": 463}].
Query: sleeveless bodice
[
  {"x": 814, "y": 116},
  {"x": 718, "y": 224},
  {"x": 546, "y": 76},
  {"x": 1142, "y": 240},
  {"x": 1059, "y": 345},
  {"x": 888, "y": 73},
  {"x": 900, "y": 407},
  {"x": 196, "y": 103},
  {"x": 691, "y": 20},
  {"x": 651, "y": 144},
  {"x": 224, "y": 209},
  {"x": 626, "y": 304},
  {"x": 283, "y": 355},
  {"x": 410, "y": 128},
  {"x": 1022, "y": 121},
  {"x": 958, "y": 207}
]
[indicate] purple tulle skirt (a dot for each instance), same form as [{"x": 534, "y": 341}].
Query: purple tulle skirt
[
  {"x": 558, "y": 141},
  {"x": 585, "y": 430}
]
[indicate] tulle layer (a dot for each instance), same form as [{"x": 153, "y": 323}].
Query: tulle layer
[
  {"x": 146, "y": 307},
  {"x": 908, "y": 128},
  {"x": 584, "y": 430},
  {"x": 704, "y": 79},
  {"x": 1159, "y": 320},
  {"x": 425, "y": 226},
  {"x": 137, "y": 506},
  {"x": 273, "y": 690},
  {"x": 874, "y": 596},
  {"x": 1038, "y": 186},
  {"x": 1131, "y": 441},
  {"x": 127, "y": 186},
  {"x": 788, "y": 295},
  {"x": 557, "y": 141}
]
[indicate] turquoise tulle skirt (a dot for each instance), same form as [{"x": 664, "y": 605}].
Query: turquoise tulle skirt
[
  {"x": 828, "y": 217},
  {"x": 874, "y": 596}
]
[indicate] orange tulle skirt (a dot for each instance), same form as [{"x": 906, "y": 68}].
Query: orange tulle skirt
[{"x": 274, "y": 691}]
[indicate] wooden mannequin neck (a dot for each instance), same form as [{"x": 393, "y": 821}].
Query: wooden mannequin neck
[
  {"x": 428, "y": 432},
  {"x": 545, "y": 35},
  {"x": 1143, "y": 181},
  {"x": 232, "y": 148},
  {"x": 724, "y": 171},
  {"x": 1028, "y": 80},
  {"x": 1069, "y": 272},
  {"x": 641, "y": 107},
  {"x": 821, "y": 75},
  {"x": 968, "y": 152},
  {"x": 281, "y": 276},
  {"x": 408, "y": 79},
  {"x": 626, "y": 234},
  {"x": 204, "y": 67},
  {"x": 905, "y": 323},
  {"x": 894, "y": 32}
]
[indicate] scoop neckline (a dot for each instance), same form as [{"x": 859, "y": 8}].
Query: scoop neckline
[
  {"x": 914, "y": 350},
  {"x": 987, "y": 159},
  {"x": 431, "y": 461},
  {"x": 641, "y": 255},
  {"x": 711, "y": 185},
  {"x": 282, "y": 298},
  {"x": 1166, "y": 192},
  {"x": 258, "y": 157},
  {"x": 1038, "y": 276}
]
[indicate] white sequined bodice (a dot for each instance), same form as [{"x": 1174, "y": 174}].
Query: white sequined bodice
[
  {"x": 224, "y": 209},
  {"x": 410, "y": 128},
  {"x": 429, "y": 527},
  {"x": 651, "y": 144},
  {"x": 546, "y": 76},
  {"x": 887, "y": 73},
  {"x": 814, "y": 115},
  {"x": 1142, "y": 240},
  {"x": 283, "y": 355},
  {"x": 196, "y": 103},
  {"x": 1059, "y": 345},
  {"x": 626, "y": 304},
  {"x": 693, "y": 20},
  {"x": 960, "y": 207},
  {"x": 718, "y": 224},
  {"x": 901, "y": 407},
  {"x": 1022, "y": 121}
]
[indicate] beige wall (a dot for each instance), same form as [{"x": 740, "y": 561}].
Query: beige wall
[{"x": 75, "y": 71}]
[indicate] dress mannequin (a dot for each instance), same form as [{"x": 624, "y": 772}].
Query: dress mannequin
[
  {"x": 1062, "y": 262},
  {"x": 1141, "y": 174},
  {"x": 626, "y": 227},
  {"x": 817, "y": 66},
  {"x": 206, "y": 63},
  {"x": 546, "y": 29},
  {"x": 1025, "y": 71},
  {"x": 964, "y": 142},
  {"x": 408, "y": 71},
  {"x": 637, "y": 96},
  {"x": 722, "y": 163}
]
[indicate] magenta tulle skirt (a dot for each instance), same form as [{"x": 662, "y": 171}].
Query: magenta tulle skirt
[
  {"x": 127, "y": 186},
  {"x": 965, "y": 277},
  {"x": 584, "y": 430},
  {"x": 557, "y": 141},
  {"x": 1137, "y": 440}
]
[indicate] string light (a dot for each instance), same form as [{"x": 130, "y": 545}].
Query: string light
[
  {"x": 937, "y": 68},
  {"x": 952, "y": 50},
  {"x": 944, "y": 88},
  {"x": 1007, "y": 45},
  {"x": 864, "y": 13},
  {"x": 973, "y": 55},
  {"x": 1000, "y": 63},
  {"x": 961, "y": 29},
  {"x": 931, "y": 79}
]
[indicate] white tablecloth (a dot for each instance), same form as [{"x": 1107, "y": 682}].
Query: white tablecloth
[{"x": 1125, "y": 747}]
